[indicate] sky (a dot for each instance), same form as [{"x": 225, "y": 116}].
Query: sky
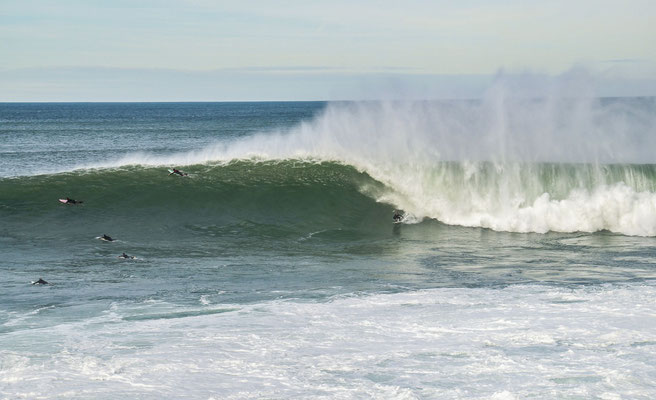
[{"x": 204, "y": 50}]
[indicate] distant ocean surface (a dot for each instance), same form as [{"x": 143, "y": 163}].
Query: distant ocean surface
[{"x": 524, "y": 267}]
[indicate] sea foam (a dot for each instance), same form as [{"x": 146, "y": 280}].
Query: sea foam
[{"x": 520, "y": 341}]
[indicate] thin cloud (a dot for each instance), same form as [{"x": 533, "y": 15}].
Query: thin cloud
[{"x": 626, "y": 61}]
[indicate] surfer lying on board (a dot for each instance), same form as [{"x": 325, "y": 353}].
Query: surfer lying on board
[
  {"x": 126, "y": 256},
  {"x": 177, "y": 171},
  {"x": 71, "y": 201},
  {"x": 397, "y": 216},
  {"x": 106, "y": 238}
]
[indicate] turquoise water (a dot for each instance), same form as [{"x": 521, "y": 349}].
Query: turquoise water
[{"x": 273, "y": 269}]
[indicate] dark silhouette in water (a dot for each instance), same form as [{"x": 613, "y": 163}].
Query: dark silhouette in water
[
  {"x": 71, "y": 201},
  {"x": 106, "y": 238},
  {"x": 397, "y": 216},
  {"x": 127, "y": 257},
  {"x": 40, "y": 282}
]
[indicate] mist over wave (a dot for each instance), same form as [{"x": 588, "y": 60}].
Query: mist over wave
[
  {"x": 529, "y": 157},
  {"x": 520, "y": 119}
]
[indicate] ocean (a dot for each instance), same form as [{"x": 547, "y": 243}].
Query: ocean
[{"x": 524, "y": 266}]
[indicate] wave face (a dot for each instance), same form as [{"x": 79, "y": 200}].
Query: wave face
[
  {"x": 294, "y": 196},
  {"x": 261, "y": 199}
]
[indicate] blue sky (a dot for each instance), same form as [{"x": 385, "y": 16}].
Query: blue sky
[{"x": 74, "y": 50}]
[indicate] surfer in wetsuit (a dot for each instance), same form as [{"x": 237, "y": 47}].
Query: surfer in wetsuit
[
  {"x": 125, "y": 256},
  {"x": 397, "y": 216},
  {"x": 71, "y": 201},
  {"x": 177, "y": 171},
  {"x": 107, "y": 238},
  {"x": 40, "y": 282}
]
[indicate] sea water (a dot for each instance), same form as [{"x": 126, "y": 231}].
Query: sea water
[{"x": 524, "y": 267}]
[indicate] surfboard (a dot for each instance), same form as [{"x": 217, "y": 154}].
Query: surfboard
[{"x": 63, "y": 201}]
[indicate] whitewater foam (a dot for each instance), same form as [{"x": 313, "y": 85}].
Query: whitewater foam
[{"x": 521, "y": 341}]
